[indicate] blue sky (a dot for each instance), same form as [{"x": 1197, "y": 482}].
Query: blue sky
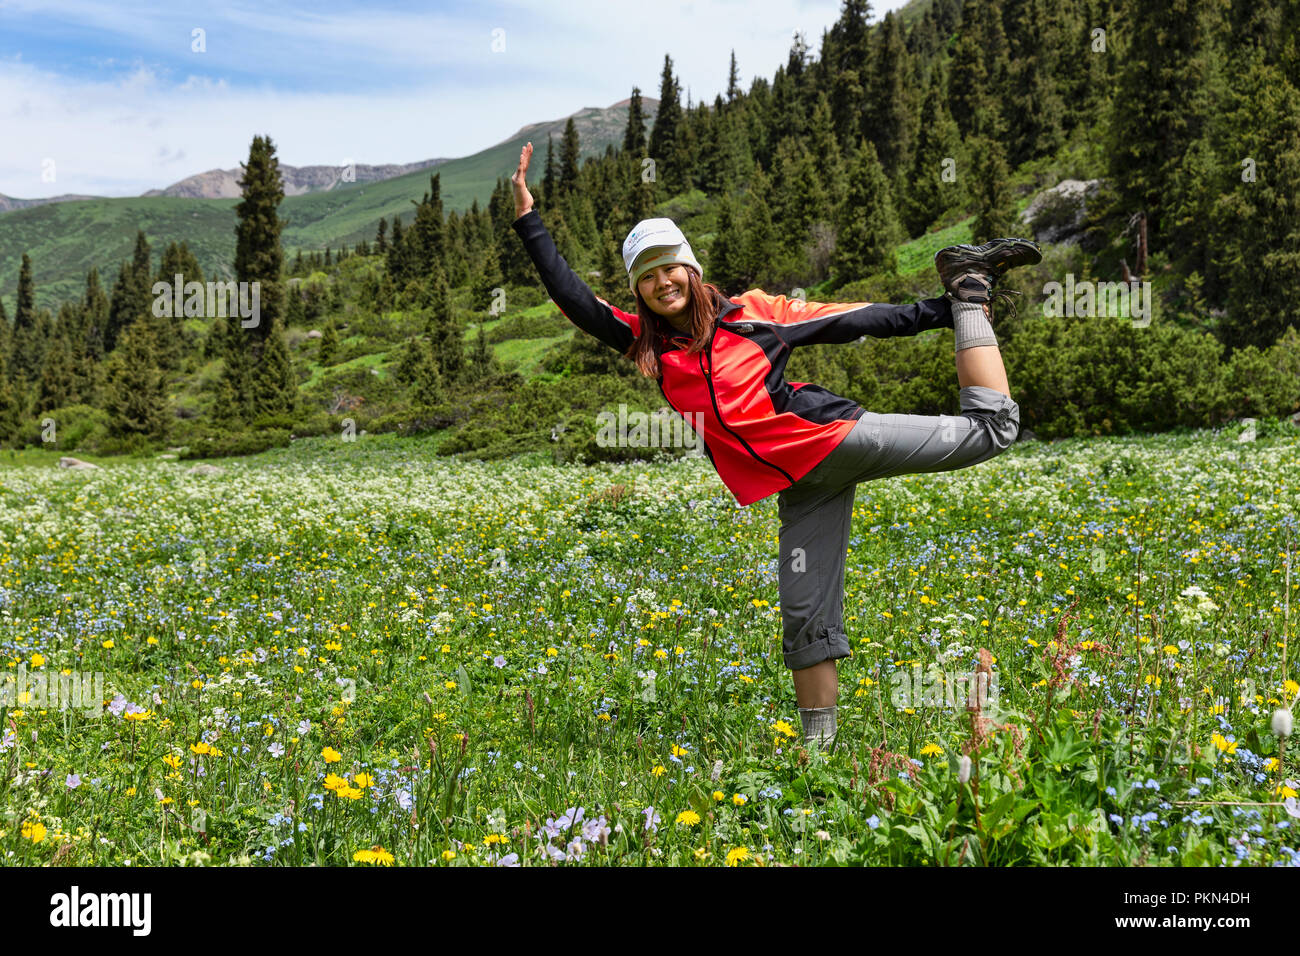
[{"x": 114, "y": 99}]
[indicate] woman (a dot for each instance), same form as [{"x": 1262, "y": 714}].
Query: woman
[{"x": 721, "y": 362}]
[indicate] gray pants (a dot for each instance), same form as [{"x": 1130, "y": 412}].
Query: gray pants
[{"x": 816, "y": 510}]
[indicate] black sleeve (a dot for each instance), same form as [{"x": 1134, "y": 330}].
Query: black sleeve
[{"x": 573, "y": 296}]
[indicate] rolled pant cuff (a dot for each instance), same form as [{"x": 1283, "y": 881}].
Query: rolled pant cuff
[{"x": 828, "y": 648}]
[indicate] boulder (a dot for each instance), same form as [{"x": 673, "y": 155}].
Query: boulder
[
  {"x": 204, "y": 468},
  {"x": 1057, "y": 215},
  {"x": 314, "y": 334},
  {"x": 68, "y": 462}
]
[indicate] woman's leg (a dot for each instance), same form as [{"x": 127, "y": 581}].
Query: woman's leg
[{"x": 814, "y": 538}]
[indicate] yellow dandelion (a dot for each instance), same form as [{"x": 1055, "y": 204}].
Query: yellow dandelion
[
  {"x": 659, "y": 770},
  {"x": 931, "y": 750},
  {"x": 734, "y": 857},
  {"x": 781, "y": 727},
  {"x": 331, "y": 755},
  {"x": 449, "y": 855},
  {"x": 739, "y": 799},
  {"x": 688, "y": 817},
  {"x": 719, "y": 796}
]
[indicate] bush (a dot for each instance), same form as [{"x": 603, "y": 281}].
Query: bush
[
  {"x": 216, "y": 443},
  {"x": 74, "y": 427}
]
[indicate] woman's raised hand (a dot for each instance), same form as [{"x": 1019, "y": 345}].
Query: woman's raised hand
[{"x": 523, "y": 198}]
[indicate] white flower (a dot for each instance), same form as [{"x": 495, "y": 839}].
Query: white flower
[
  {"x": 963, "y": 769},
  {"x": 1282, "y": 722}
]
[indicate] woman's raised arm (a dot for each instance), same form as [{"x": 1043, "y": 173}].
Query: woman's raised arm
[{"x": 581, "y": 306}]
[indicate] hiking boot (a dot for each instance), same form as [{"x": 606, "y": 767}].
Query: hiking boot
[{"x": 968, "y": 273}]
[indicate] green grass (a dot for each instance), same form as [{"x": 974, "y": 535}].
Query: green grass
[{"x": 341, "y": 645}]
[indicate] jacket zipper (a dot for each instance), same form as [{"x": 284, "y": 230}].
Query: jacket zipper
[{"x": 708, "y": 377}]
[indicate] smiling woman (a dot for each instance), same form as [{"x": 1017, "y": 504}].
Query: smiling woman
[{"x": 720, "y": 363}]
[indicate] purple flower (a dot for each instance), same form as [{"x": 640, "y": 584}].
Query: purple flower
[
  {"x": 596, "y": 831},
  {"x": 73, "y": 781},
  {"x": 651, "y": 819},
  {"x": 404, "y": 799},
  {"x": 304, "y": 728},
  {"x": 118, "y": 705},
  {"x": 510, "y": 859},
  {"x": 276, "y": 749},
  {"x": 499, "y": 661},
  {"x": 571, "y": 817}
]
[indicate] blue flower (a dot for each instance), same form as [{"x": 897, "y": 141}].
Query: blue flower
[{"x": 873, "y": 821}]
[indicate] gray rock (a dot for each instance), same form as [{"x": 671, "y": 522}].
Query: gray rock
[
  {"x": 1056, "y": 215},
  {"x": 314, "y": 334},
  {"x": 67, "y": 462},
  {"x": 203, "y": 468}
]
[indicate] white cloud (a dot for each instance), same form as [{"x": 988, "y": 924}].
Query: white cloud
[{"x": 427, "y": 85}]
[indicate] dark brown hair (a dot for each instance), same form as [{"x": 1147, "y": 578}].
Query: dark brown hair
[{"x": 655, "y": 329}]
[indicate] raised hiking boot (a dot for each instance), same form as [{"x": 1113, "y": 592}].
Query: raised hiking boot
[{"x": 968, "y": 273}]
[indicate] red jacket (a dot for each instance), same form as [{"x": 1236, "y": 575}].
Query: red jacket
[{"x": 761, "y": 432}]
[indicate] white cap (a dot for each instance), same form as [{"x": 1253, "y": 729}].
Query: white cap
[{"x": 656, "y": 242}]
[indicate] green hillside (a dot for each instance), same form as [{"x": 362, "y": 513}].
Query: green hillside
[{"x": 65, "y": 240}]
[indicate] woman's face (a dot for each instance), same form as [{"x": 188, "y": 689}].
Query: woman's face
[{"x": 666, "y": 290}]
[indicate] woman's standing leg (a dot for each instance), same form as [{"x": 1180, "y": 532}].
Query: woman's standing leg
[{"x": 814, "y": 538}]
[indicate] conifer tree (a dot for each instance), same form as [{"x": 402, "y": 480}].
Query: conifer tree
[
  {"x": 94, "y": 305},
  {"x": 663, "y": 145},
  {"x": 726, "y": 260},
  {"x": 550, "y": 182},
  {"x": 759, "y": 235},
  {"x": 27, "y": 342},
  {"x": 569, "y": 156},
  {"x": 869, "y": 229},
  {"x": 994, "y": 214},
  {"x": 891, "y": 110},
  {"x": 381, "y": 237},
  {"x": 634, "y": 141},
  {"x": 260, "y": 376},
  {"x": 329, "y": 345},
  {"x": 135, "y": 393},
  {"x": 58, "y": 382},
  {"x": 934, "y": 184},
  {"x": 446, "y": 344},
  {"x": 1157, "y": 113},
  {"x": 11, "y": 408}
]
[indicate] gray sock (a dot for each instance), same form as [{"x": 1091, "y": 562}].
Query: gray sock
[
  {"x": 971, "y": 326},
  {"x": 818, "y": 726}
]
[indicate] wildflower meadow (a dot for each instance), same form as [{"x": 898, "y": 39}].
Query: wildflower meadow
[{"x": 356, "y": 653}]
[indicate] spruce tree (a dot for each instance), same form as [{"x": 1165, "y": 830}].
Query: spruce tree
[
  {"x": 381, "y": 237},
  {"x": 259, "y": 258},
  {"x": 135, "y": 393},
  {"x": 994, "y": 214},
  {"x": 58, "y": 382},
  {"x": 329, "y": 345},
  {"x": 869, "y": 229},
  {"x": 446, "y": 343},
  {"x": 663, "y": 145},
  {"x": 726, "y": 260},
  {"x": 938, "y": 174},
  {"x": 11, "y": 409},
  {"x": 891, "y": 110},
  {"x": 94, "y": 306},
  {"x": 1157, "y": 111},
  {"x": 27, "y": 345},
  {"x": 550, "y": 182},
  {"x": 761, "y": 243},
  {"x": 634, "y": 134},
  {"x": 570, "y": 152}
]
